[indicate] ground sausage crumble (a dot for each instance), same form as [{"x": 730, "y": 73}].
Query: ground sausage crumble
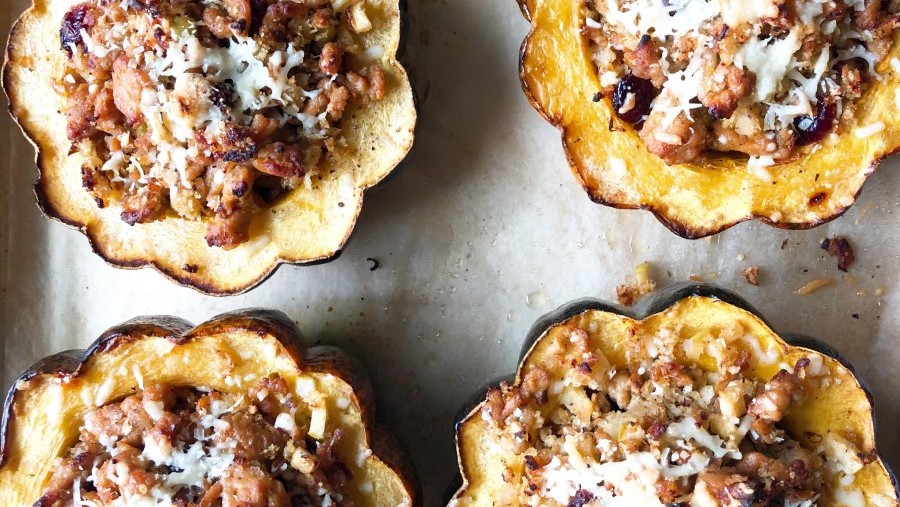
[
  {"x": 190, "y": 448},
  {"x": 576, "y": 430},
  {"x": 210, "y": 109},
  {"x": 699, "y": 78}
]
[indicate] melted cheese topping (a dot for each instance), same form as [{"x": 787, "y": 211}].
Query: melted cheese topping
[
  {"x": 770, "y": 60},
  {"x": 257, "y": 83},
  {"x": 207, "y": 99},
  {"x": 780, "y": 85},
  {"x": 632, "y": 481}
]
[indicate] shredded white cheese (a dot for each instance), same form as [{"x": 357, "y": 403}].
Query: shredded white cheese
[
  {"x": 869, "y": 130},
  {"x": 786, "y": 91},
  {"x": 769, "y": 59}
]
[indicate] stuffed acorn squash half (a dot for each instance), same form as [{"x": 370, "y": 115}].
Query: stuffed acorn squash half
[
  {"x": 234, "y": 412},
  {"x": 212, "y": 139},
  {"x": 691, "y": 401},
  {"x": 712, "y": 112}
]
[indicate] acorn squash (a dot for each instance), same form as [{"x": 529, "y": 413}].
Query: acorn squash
[
  {"x": 309, "y": 223},
  {"x": 46, "y": 407},
  {"x": 712, "y": 193},
  {"x": 834, "y": 412}
]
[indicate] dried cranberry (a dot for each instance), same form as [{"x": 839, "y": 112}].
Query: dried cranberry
[
  {"x": 643, "y": 92},
  {"x": 70, "y": 30},
  {"x": 657, "y": 430},
  {"x": 222, "y": 94},
  {"x": 812, "y": 129},
  {"x": 582, "y": 497}
]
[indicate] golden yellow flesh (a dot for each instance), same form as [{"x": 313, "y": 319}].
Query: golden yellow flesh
[
  {"x": 307, "y": 225},
  {"x": 48, "y": 411},
  {"x": 696, "y": 199},
  {"x": 840, "y": 407}
]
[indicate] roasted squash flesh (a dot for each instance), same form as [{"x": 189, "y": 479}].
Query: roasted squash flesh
[
  {"x": 46, "y": 409},
  {"x": 310, "y": 222},
  {"x": 704, "y": 197},
  {"x": 825, "y": 418}
]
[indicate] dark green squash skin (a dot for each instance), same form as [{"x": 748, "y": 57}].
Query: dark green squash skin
[
  {"x": 655, "y": 302},
  {"x": 263, "y": 322}
]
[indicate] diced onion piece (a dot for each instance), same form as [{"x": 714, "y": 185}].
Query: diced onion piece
[
  {"x": 317, "y": 419},
  {"x": 359, "y": 20}
]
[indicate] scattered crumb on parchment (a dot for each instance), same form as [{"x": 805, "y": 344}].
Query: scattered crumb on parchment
[
  {"x": 814, "y": 285},
  {"x": 751, "y": 274},
  {"x": 636, "y": 286}
]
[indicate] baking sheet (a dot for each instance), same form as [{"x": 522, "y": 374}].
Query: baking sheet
[{"x": 480, "y": 231}]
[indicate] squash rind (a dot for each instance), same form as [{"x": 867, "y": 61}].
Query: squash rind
[
  {"x": 257, "y": 329},
  {"x": 305, "y": 227},
  {"x": 699, "y": 199},
  {"x": 654, "y": 305}
]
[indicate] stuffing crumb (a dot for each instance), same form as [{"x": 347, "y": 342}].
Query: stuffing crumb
[
  {"x": 839, "y": 247},
  {"x": 751, "y": 274},
  {"x": 639, "y": 285},
  {"x": 587, "y": 427}
]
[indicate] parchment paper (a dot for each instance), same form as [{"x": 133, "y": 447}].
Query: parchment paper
[{"x": 480, "y": 231}]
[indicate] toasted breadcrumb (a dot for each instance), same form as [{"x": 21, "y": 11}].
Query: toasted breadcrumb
[
  {"x": 751, "y": 274},
  {"x": 638, "y": 285}
]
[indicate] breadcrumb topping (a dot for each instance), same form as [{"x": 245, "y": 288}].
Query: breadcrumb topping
[
  {"x": 584, "y": 432},
  {"x": 760, "y": 78}
]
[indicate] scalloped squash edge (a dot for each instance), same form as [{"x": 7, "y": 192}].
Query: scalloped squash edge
[
  {"x": 45, "y": 407},
  {"x": 305, "y": 226},
  {"x": 700, "y": 199}
]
